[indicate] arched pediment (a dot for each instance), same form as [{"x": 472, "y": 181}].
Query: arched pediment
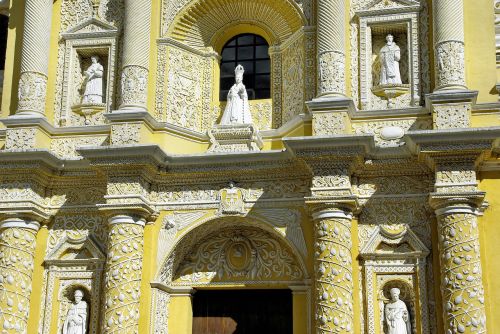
[
  {"x": 393, "y": 242},
  {"x": 203, "y": 255},
  {"x": 78, "y": 249},
  {"x": 202, "y": 21}
]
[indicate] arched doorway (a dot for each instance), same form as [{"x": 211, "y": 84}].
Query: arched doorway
[{"x": 230, "y": 275}]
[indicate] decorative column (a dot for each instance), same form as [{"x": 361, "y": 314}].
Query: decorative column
[
  {"x": 123, "y": 274},
  {"x": 333, "y": 270},
  {"x": 331, "y": 48},
  {"x": 449, "y": 44},
  {"x": 135, "y": 70},
  {"x": 35, "y": 58},
  {"x": 17, "y": 252},
  {"x": 461, "y": 276}
]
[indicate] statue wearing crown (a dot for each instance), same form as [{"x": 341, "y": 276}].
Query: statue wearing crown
[{"x": 237, "y": 108}]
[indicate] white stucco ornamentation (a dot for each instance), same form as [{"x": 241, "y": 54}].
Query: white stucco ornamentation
[
  {"x": 331, "y": 73},
  {"x": 450, "y": 64},
  {"x": 17, "y": 252},
  {"x": 134, "y": 86},
  {"x": 123, "y": 275},
  {"x": 333, "y": 272},
  {"x": 461, "y": 273}
]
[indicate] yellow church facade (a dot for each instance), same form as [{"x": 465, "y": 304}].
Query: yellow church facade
[{"x": 362, "y": 196}]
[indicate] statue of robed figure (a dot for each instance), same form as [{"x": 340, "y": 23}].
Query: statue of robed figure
[
  {"x": 76, "y": 319},
  {"x": 237, "y": 108},
  {"x": 396, "y": 314}
]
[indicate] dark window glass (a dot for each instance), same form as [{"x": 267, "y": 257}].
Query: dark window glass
[
  {"x": 252, "y": 52},
  {"x": 4, "y": 26}
]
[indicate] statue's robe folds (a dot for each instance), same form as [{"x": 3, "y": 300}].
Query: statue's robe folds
[
  {"x": 397, "y": 318},
  {"x": 237, "y": 108},
  {"x": 389, "y": 58},
  {"x": 76, "y": 320}
]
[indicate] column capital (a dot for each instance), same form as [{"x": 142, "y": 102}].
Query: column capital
[
  {"x": 137, "y": 215},
  {"x": 341, "y": 207},
  {"x": 20, "y": 223},
  {"x": 466, "y": 202}
]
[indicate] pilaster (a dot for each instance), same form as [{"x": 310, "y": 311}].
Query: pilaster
[
  {"x": 136, "y": 45},
  {"x": 35, "y": 58},
  {"x": 17, "y": 253}
]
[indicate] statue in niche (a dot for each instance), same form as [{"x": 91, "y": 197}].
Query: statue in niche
[
  {"x": 237, "y": 108},
  {"x": 76, "y": 319},
  {"x": 93, "y": 82},
  {"x": 396, "y": 314},
  {"x": 390, "y": 54}
]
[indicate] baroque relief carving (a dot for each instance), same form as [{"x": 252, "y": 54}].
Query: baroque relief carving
[
  {"x": 450, "y": 64},
  {"x": 123, "y": 278},
  {"x": 236, "y": 255},
  {"x": 293, "y": 78},
  {"x": 451, "y": 116},
  {"x": 125, "y": 133},
  {"x": 134, "y": 86},
  {"x": 20, "y": 139},
  {"x": 334, "y": 282},
  {"x": 66, "y": 147},
  {"x": 329, "y": 123},
  {"x": 377, "y": 127},
  {"x": 331, "y": 73},
  {"x": 32, "y": 91},
  {"x": 461, "y": 275},
  {"x": 17, "y": 251}
]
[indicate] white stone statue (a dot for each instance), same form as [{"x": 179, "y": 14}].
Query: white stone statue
[
  {"x": 76, "y": 319},
  {"x": 237, "y": 108},
  {"x": 390, "y": 54},
  {"x": 93, "y": 82},
  {"x": 396, "y": 315}
]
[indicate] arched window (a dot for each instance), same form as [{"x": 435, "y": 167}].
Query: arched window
[{"x": 252, "y": 52}]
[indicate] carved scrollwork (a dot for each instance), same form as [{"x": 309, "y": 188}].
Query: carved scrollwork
[
  {"x": 32, "y": 91},
  {"x": 238, "y": 255},
  {"x": 450, "y": 64},
  {"x": 134, "y": 85},
  {"x": 331, "y": 73}
]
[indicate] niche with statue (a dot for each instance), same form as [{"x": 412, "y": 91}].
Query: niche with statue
[
  {"x": 389, "y": 54},
  {"x": 89, "y": 70}
]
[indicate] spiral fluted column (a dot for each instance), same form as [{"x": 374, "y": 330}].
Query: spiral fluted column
[
  {"x": 461, "y": 275},
  {"x": 136, "y": 45},
  {"x": 331, "y": 47},
  {"x": 123, "y": 275},
  {"x": 333, "y": 271},
  {"x": 35, "y": 58},
  {"x": 17, "y": 253},
  {"x": 449, "y": 46}
]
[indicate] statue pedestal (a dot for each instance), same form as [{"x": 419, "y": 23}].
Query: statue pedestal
[
  {"x": 390, "y": 92},
  {"x": 88, "y": 109},
  {"x": 234, "y": 138}
]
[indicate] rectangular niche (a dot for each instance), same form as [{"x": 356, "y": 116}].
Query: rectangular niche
[
  {"x": 91, "y": 38},
  {"x": 374, "y": 28}
]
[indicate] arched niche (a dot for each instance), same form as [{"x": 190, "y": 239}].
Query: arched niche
[
  {"x": 193, "y": 34},
  {"x": 394, "y": 256},
  {"x": 76, "y": 262}
]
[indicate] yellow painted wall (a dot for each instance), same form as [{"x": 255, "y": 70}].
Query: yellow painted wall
[
  {"x": 480, "y": 49},
  {"x": 490, "y": 248}
]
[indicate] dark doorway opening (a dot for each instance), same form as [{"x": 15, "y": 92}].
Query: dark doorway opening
[{"x": 242, "y": 312}]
